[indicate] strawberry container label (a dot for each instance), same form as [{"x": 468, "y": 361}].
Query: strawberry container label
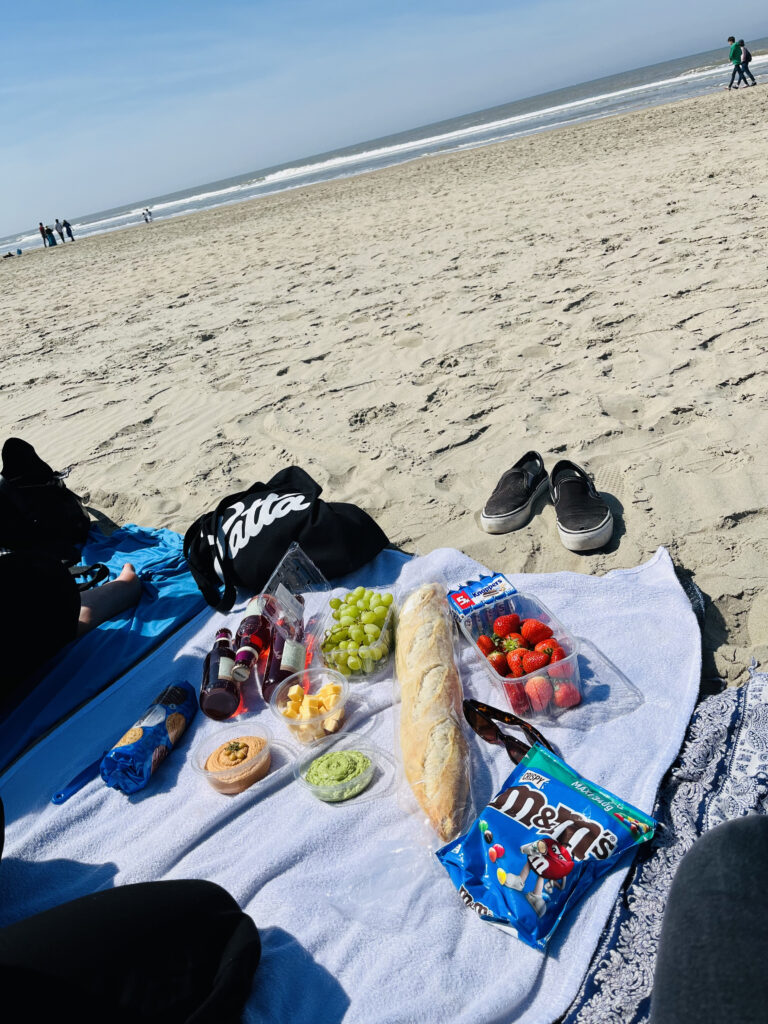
[{"x": 477, "y": 594}]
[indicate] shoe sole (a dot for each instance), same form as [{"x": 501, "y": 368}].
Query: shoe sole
[
  {"x": 516, "y": 519},
  {"x": 587, "y": 540}
]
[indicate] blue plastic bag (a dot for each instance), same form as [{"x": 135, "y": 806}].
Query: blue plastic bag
[{"x": 129, "y": 765}]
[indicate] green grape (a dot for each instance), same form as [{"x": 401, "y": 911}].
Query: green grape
[
  {"x": 336, "y": 614},
  {"x": 335, "y": 602},
  {"x": 345, "y": 670},
  {"x": 369, "y": 594},
  {"x": 367, "y": 617},
  {"x": 381, "y": 612},
  {"x": 356, "y": 633},
  {"x": 363, "y": 652},
  {"x": 375, "y": 602},
  {"x": 340, "y": 657},
  {"x": 346, "y": 620},
  {"x": 387, "y": 599},
  {"x": 354, "y": 663},
  {"x": 377, "y": 652},
  {"x": 352, "y": 646},
  {"x": 358, "y": 592},
  {"x": 372, "y": 630},
  {"x": 362, "y": 605}
]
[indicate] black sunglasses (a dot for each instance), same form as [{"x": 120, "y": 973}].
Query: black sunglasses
[{"x": 482, "y": 718}]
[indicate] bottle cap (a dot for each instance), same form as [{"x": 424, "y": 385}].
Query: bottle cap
[{"x": 242, "y": 667}]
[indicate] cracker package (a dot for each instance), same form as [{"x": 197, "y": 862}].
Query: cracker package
[
  {"x": 129, "y": 765},
  {"x": 540, "y": 845}
]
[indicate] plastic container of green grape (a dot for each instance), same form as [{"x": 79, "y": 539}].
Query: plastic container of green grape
[{"x": 360, "y": 636}]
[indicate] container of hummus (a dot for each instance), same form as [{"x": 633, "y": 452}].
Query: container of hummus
[
  {"x": 232, "y": 759},
  {"x": 338, "y": 769}
]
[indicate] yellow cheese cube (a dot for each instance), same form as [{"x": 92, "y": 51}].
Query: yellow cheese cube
[
  {"x": 296, "y": 692},
  {"x": 333, "y": 722}
]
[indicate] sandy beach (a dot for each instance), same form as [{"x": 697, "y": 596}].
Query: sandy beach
[{"x": 596, "y": 293}]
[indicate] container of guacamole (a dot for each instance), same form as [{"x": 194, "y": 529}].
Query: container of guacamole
[{"x": 339, "y": 769}]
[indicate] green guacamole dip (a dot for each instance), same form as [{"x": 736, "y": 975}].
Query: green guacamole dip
[{"x": 339, "y": 766}]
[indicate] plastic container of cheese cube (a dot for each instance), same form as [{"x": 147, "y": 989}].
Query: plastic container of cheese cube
[{"x": 311, "y": 703}]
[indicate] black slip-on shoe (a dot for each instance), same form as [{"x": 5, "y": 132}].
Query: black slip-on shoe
[
  {"x": 584, "y": 521},
  {"x": 510, "y": 505}
]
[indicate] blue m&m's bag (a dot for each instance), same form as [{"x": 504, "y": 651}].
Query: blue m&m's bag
[{"x": 539, "y": 846}]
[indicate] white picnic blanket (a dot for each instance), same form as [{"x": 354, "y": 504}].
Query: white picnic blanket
[{"x": 297, "y": 865}]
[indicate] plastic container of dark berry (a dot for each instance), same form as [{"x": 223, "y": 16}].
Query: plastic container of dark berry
[{"x": 546, "y": 693}]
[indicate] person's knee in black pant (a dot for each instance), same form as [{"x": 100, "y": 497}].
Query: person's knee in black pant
[
  {"x": 176, "y": 951},
  {"x": 711, "y": 959}
]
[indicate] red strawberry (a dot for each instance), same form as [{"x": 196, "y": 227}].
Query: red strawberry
[
  {"x": 506, "y": 624},
  {"x": 513, "y": 641},
  {"x": 547, "y": 646},
  {"x": 534, "y": 660},
  {"x": 499, "y": 663},
  {"x": 515, "y": 662},
  {"x": 567, "y": 695},
  {"x": 517, "y": 698},
  {"x": 534, "y": 631},
  {"x": 560, "y": 671},
  {"x": 485, "y": 644},
  {"x": 539, "y": 692}
]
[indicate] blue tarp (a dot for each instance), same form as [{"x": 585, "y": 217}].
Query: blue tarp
[{"x": 84, "y": 668}]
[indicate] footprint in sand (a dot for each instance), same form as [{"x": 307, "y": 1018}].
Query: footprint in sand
[
  {"x": 408, "y": 341},
  {"x": 624, "y": 408}
]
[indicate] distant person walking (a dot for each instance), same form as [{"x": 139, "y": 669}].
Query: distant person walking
[
  {"x": 148, "y": 215},
  {"x": 746, "y": 60},
  {"x": 734, "y": 56},
  {"x": 42, "y": 232},
  {"x": 68, "y": 228},
  {"x": 50, "y": 236},
  {"x": 59, "y": 230}
]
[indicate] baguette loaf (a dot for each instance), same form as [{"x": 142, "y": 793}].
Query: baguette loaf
[{"x": 435, "y": 755}]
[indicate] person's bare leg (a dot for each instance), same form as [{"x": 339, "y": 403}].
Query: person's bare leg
[{"x": 108, "y": 600}]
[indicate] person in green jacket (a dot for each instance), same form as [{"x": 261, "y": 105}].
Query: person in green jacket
[{"x": 734, "y": 56}]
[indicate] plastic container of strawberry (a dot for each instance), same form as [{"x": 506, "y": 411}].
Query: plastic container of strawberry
[{"x": 549, "y": 690}]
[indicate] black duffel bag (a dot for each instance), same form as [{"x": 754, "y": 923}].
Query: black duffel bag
[
  {"x": 38, "y": 512},
  {"x": 241, "y": 541}
]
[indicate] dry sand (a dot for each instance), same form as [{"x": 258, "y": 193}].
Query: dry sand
[{"x": 597, "y": 293}]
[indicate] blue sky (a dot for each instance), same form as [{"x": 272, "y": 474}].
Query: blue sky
[{"x": 104, "y": 102}]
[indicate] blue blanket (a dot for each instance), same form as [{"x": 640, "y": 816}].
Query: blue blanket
[{"x": 169, "y": 598}]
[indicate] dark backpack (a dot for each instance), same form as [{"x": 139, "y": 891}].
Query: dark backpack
[
  {"x": 746, "y": 56},
  {"x": 241, "y": 541},
  {"x": 38, "y": 512}
]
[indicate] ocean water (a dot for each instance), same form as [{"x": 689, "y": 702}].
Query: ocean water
[{"x": 685, "y": 77}]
